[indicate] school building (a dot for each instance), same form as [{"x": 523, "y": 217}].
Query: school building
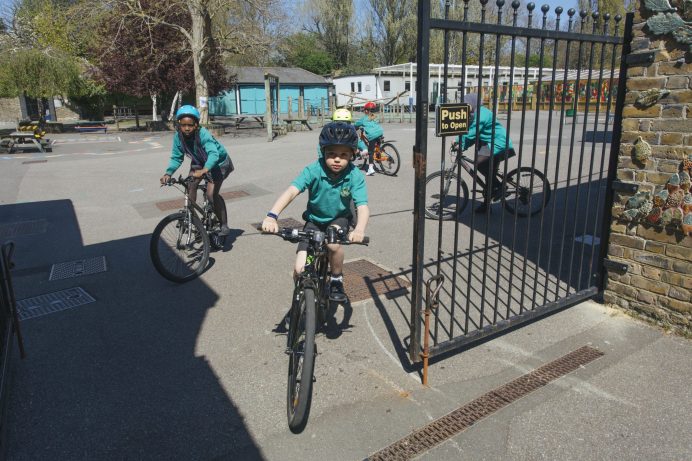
[{"x": 248, "y": 95}]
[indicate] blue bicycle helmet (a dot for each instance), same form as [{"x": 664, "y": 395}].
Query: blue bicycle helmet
[
  {"x": 187, "y": 111},
  {"x": 338, "y": 134}
]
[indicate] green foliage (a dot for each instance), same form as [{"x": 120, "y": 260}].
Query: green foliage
[
  {"x": 36, "y": 74},
  {"x": 303, "y": 51}
]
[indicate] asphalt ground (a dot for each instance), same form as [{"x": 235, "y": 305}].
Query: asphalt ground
[{"x": 154, "y": 370}]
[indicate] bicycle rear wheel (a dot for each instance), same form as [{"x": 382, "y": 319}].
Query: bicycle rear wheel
[
  {"x": 526, "y": 191},
  {"x": 179, "y": 248},
  {"x": 301, "y": 362},
  {"x": 389, "y": 160},
  {"x": 358, "y": 160},
  {"x": 448, "y": 204}
]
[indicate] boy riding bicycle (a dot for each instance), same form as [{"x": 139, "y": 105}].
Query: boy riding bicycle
[
  {"x": 208, "y": 160},
  {"x": 373, "y": 131},
  {"x": 332, "y": 182},
  {"x": 344, "y": 115},
  {"x": 481, "y": 128}
]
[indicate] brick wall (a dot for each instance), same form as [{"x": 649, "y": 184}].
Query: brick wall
[
  {"x": 658, "y": 283},
  {"x": 10, "y": 110}
]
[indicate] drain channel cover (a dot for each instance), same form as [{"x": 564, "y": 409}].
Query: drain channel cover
[
  {"x": 76, "y": 268},
  {"x": 49, "y": 303}
]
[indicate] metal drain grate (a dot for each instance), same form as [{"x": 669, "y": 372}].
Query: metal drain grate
[
  {"x": 363, "y": 280},
  {"x": 462, "y": 418},
  {"x": 38, "y": 306},
  {"x": 28, "y": 162},
  {"x": 23, "y": 228},
  {"x": 283, "y": 222},
  {"x": 76, "y": 268},
  {"x": 179, "y": 202}
]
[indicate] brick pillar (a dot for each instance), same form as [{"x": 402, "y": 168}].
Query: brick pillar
[{"x": 656, "y": 145}]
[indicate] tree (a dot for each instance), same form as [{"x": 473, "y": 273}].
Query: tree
[
  {"x": 331, "y": 22},
  {"x": 36, "y": 74},
  {"x": 393, "y": 30},
  {"x": 216, "y": 27},
  {"x": 304, "y": 50}
]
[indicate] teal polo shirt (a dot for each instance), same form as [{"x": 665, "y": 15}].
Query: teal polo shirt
[{"x": 330, "y": 197}]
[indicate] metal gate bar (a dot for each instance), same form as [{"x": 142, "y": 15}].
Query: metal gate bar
[{"x": 527, "y": 283}]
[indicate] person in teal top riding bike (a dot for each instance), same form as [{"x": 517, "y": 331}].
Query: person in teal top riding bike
[
  {"x": 481, "y": 130},
  {"x": 373, "y": 131},
  {"x": 208, "y": 160},
  {"x": 332, "y": 183}
]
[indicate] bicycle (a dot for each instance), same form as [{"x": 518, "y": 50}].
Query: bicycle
[
  {"x": 386, "y": 156},
  {"x": 307, "y": 315},
  {"x": 524, "y": 191},
  {"x": 181, "y": 242}
]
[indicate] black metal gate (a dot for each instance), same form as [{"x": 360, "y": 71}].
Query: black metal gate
[{"x": 540, "y": 246}]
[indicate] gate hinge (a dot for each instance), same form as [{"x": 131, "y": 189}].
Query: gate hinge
[
  {"x": 626, "y": 187},
  {"x": 615, "y": 266},
  {"x": 640, "y": 58}
]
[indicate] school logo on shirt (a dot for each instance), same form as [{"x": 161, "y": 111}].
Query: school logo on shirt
[{"x": 345, "y": 192}]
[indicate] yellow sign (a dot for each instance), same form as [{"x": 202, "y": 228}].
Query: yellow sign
[{"x": 452, "y": 119}]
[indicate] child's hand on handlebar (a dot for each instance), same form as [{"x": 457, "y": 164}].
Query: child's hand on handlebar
[
  {"x": 270, "y": 225},
  {"x": 356, "y": 236},
  {"x": 165, "y": 178}
]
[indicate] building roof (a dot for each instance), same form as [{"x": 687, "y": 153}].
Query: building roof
[{"x": 287, "y": 75}]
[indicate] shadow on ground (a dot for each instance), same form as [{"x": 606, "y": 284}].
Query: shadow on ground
[{"x": 119, "y": 378}]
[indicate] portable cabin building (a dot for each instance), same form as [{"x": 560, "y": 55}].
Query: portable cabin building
[{"x": 247, "y": 96}]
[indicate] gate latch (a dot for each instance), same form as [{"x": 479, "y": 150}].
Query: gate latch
[{"x": 615, "y": 266}]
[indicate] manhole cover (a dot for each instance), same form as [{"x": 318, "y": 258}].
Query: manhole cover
[
  {"x": 179, "y": 202},
  {"x": 283, "y": 222},
  {"x": 76, "y": 268},
  {"x": 364, "y": 280},
  {"x": 466, "y": 416},
  {"x": 23, "y": 228},
  {"x": 52, "y": 302}
]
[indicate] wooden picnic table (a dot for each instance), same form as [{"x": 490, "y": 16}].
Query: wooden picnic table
[{"x": 24, "y": 138}]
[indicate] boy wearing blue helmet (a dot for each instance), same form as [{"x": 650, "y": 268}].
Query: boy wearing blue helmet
[
  {"x": 208, "y": 160},
  {"x": 332, "y": 183}
]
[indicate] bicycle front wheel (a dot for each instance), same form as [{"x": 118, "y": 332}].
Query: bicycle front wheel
[
  {"x": 448, "y": 205},
  {"x": 301, "y": 362},
  {"x": 526, "y": 191},
  {"x": 389, "y": 160},
  {"x": 179, "y": 248}
]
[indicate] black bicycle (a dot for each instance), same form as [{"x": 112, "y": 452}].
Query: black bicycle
[
  {"x": 524, "y": 191},
  {"x": 181, "y": 242},
  {"x": 307, "y": 315}
]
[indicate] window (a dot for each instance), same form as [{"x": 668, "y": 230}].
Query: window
[
  {"x": 360, "y": 87},
  {"x": 386, "y": 85},
  {"x": 407, "y": 85},
  {"x": 353, "y": 87}
]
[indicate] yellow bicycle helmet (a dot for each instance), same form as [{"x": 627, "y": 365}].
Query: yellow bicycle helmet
[{"x": 342, "y": 115}]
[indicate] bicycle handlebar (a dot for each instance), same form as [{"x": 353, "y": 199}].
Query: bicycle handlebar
[{"x": 331, "y": 236}]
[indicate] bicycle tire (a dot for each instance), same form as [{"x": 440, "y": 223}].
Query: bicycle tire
[
  {"x": 159, "y": 246},
  {"x": 448, "y": 210},
  {"x": 301, "y": 362},
  {"x": 518, "y": 191},
  {"x": 358, "y": 160},
  {"x": 390, "y": 160}
]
